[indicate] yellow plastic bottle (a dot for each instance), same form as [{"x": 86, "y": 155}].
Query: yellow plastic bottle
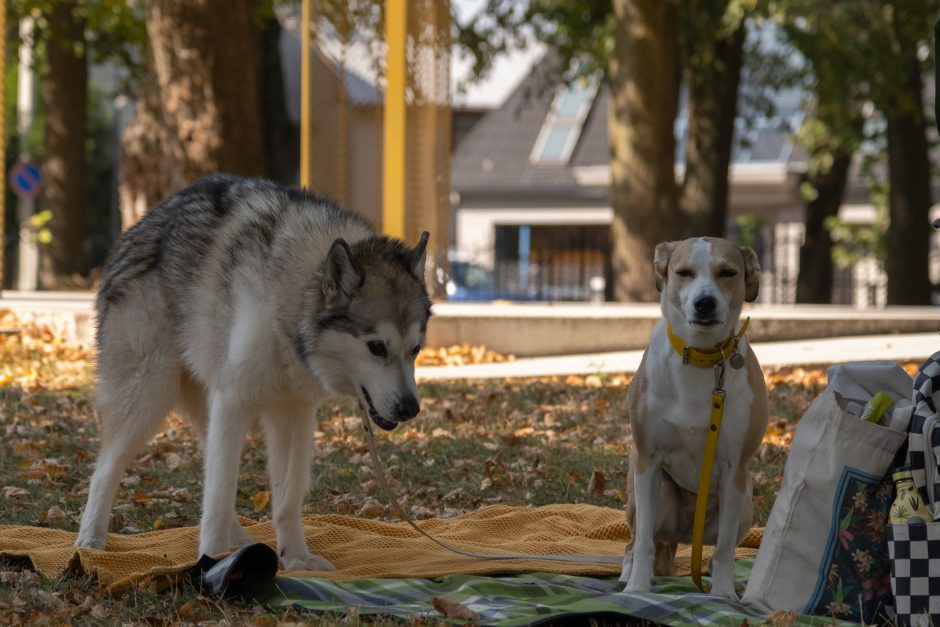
[{"x": 908, "y": 508}]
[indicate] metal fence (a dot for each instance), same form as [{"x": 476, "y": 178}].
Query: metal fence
[{"x": 579, "y": 273}]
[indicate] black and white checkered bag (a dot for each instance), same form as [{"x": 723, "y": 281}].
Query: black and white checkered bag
[
  {"x": 923, "y": 452},
  {"x": 914, "y": 550}
]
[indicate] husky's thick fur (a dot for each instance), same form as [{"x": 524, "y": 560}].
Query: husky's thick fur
[{"x": 237, "y": 301}]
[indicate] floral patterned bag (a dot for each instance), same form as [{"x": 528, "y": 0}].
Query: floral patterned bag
[{"x": 824, "y": 550}]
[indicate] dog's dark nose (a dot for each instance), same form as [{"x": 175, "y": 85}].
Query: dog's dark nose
[
  {"x": 407, "y": 408},
  {"x": 705, "y": 305}
]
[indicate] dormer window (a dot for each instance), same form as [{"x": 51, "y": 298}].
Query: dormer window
[{"x": 563, "y": 123}]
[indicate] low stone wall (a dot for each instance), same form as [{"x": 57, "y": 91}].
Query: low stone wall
[
  {"x": 537, "y": 329},
  {"x": 527, "y": 330}
]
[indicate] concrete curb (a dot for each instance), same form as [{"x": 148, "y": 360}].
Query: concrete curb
[{"x": 910, "y": 347}]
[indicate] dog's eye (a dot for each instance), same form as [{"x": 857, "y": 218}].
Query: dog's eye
[
  {"x": 727, "y": 274},
  {"x": 685, "y": 273},
  {"x": 415, "y": 351},
  {"x": 377, "y": 348}
]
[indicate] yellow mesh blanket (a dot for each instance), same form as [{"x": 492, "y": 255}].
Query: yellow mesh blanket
[{"x": 365, "y": 548}]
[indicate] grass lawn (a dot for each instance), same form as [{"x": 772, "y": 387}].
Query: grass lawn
[{"x": 520, "y": 442}]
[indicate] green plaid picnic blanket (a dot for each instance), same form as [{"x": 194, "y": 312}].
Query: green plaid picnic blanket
[{"x": 522, "y": 599}]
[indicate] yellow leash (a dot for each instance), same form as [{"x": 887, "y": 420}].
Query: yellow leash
[
  {"x": 704, "y": 483},
  {"x": 716, "y": 357}
]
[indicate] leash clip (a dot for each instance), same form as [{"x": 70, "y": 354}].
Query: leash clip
[
  {"x": 685, "y": 356},
  {"x": 720, "y": 375}
]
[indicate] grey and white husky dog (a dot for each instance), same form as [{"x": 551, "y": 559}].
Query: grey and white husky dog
[{"x": 237, "y": 301}]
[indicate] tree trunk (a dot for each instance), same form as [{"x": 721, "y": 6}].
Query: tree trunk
[
  {"x": 814, "y": 282},
  {"x": 644, "y": 98},
  {"x": 150, "y": 159},
  {"x": 65, "y": 100},
  {"x": 235, "y": 44},
  {"x": 713, "y": 98},
  {"x": 909, "y": 200},
  {"x": 279, "y": 134},
  {"x": 201, "y": 108}
]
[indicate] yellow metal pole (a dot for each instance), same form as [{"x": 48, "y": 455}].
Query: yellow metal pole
[
  {"x": 305, "y": 19},
  {"x": 393, "y": 175}
]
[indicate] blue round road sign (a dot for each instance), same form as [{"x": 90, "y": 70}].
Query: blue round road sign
[{"x": 25, "y": 179}]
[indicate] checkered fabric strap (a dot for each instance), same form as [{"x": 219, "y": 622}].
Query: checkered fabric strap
[{"x": 924, "y": 440}]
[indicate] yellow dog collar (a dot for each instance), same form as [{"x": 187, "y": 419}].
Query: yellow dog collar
[{"x": 706, "y": 357}]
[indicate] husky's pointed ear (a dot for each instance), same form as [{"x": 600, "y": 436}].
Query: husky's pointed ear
[
  {"x": 417, "y": 255},
  {"x": 751, "y": 274},
  {"x": 342, "y": 276},
  {"x": 661, "y": 262}
]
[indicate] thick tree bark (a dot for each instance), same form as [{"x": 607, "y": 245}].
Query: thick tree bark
[
  {"x": 65, "y": 98},
  {"x": 713, "y": 98},
  {"x": 644, "y": 98},
  {"x": 149, "y": 163},
  {"x": 201, "y": 110},
  {"x": 814, "y": 282},
  {"x": 908, "y": 244},
  {"x": 235, "y": 42},
  {"x": 909, "y": 195}
]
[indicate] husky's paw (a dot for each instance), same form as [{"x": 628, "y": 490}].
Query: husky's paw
[
  {"x": 306, "y": 562},
  {"x": 89, "y": 540},
  {"x": 625, "y": 573}
]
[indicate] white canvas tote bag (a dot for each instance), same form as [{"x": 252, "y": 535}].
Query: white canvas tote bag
[{"x": 824, "y": 549}]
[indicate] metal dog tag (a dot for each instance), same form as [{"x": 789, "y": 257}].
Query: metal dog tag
[{"x": 736, "y": 360}]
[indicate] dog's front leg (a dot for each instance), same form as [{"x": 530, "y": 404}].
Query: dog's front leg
[
  {"x": 229, "y": 421},
  {"x": 647, "y": 482},
  {"x": 730, "y": 507},
  {"x": 289, "y": 438}
]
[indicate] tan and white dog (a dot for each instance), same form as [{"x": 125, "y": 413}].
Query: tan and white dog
[{"x": 704, "y": 283}]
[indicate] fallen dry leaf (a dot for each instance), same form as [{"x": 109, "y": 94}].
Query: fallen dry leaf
[
  {"x": 29, "y": 448},
  {"x": 172, "y": 461},
  {"x": 14, "y": 492},
  {"x": 780, "y": 618},
  {"x": 51, "y": 469},
  {"x": 261, "y": 500},
  {"x": 596, "y": 484},
  {"x": 371, "y": 508},
  {"x": 421, "y": 512},
  {"x": 452, "y": 609},
  {"x": 51, "y": 600},
  {"x": 56, "y": 517},
  {"x": 459, "y": 355}
]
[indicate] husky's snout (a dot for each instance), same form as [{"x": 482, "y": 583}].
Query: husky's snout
[{"x": 406, "y": 408}]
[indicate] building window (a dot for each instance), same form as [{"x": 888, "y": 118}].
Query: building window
[{"x": 563, "y": 123}]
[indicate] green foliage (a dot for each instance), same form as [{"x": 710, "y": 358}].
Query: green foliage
[
  {"x": 853, "y": 242},
  {"x": 856, "y": 54},
  {"x": 115, "y": 31},
  {"x": 37, "y": 226},
  {"x": 749, "y": 230},
  {"x": 580, "y": 31}
]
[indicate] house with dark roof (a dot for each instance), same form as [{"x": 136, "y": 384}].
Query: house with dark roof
[{"x": 532, "y": 210}]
